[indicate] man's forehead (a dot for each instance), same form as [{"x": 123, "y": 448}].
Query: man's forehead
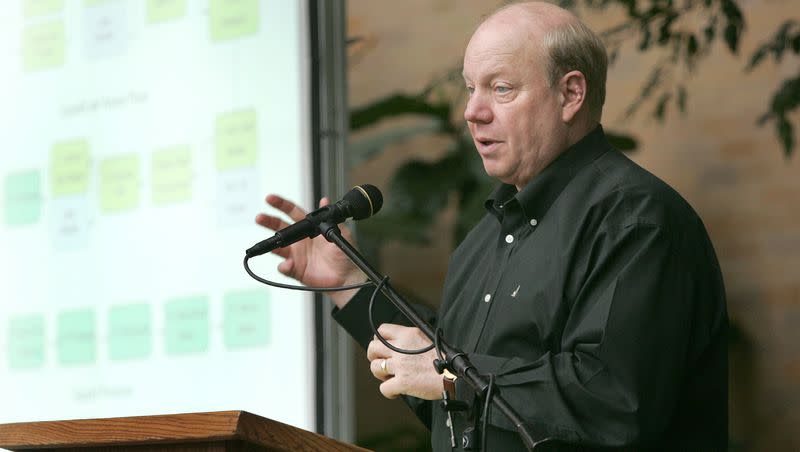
[
  {"x": 498, "y": 51},
  {"x": 490, "y": 65}
]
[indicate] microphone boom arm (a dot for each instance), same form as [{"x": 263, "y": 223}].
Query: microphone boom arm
[{"x": 457, "y": 362}]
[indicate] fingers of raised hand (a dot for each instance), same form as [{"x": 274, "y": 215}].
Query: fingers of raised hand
[
  {"x": 284, "y": 252},
  {"x": 270, "y": 222},
  {"x": 288, "y": 207},
  {"x": 287, "y": 267}
]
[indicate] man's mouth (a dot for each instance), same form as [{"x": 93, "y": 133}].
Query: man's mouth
[{"x": 485, "y": 143}]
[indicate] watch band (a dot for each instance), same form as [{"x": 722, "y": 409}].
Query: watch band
[{"x": 449, "y": 384}]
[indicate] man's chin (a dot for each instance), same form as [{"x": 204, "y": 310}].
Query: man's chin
[{"x": 495, "y": 173}]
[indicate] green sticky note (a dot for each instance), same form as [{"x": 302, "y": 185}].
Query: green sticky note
[
  {"x": 26, "y": 341},
  {"x": 43, "y": 46},
  {"x": 235, "y": 140},
  {"x": 69, "y": 168},
  {"x": 246, "y": 319},
  {"x": 187, "y": 325},
  {"x": 23, "y": 198},
  {"x": 165, "y": 10},
  {"x": 119, "y": 183},
  {"x": 76, "y": 337},
  {"x": 172, "y": 175},
  {"x": 33, "y": 8},
  {"x": 233, "y": 18},
  {"x": 130, "y": 332}
]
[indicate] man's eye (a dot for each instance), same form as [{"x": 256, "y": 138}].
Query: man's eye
[
  {"x": 502, "y": 89},
  {"x": 470, "y": 89}
]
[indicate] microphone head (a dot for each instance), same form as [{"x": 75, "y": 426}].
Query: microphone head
[{"x": 364, "y": 201}]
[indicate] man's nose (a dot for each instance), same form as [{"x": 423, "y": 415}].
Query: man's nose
[{"x": 477, "y": 109}]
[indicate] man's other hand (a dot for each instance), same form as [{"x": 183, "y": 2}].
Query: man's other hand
[{"x": 412, "y": 375}]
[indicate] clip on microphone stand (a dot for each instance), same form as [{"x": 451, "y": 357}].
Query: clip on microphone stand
[{"x": 455, "y": 360}]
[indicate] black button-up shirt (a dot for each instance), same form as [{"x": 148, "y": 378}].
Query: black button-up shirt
[{"x": 595, "y": 298}]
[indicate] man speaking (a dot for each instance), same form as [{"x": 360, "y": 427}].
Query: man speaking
[{"x": 589, "y": 290}]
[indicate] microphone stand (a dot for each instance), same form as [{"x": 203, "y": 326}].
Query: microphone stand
[{"x": 455, "y": 360}]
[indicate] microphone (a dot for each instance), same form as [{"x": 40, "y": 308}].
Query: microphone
[{"x": 361, "y": 202}]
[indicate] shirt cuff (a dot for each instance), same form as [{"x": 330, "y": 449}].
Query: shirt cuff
[{"x": 354, "y": 316}]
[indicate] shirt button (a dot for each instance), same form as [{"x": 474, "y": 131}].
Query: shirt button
[
  {"x": 509, "y": 238},
  {"x": 487, "y": 297},
  {"x": 534, "y": 222}
]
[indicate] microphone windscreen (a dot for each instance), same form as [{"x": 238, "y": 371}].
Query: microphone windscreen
[{"x": 364, "y": 200}]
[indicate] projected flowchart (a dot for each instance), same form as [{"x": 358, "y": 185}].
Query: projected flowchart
[
  {"x": 105, "y": 26},
  {"x": 114, "y": 185},
  {"x": 119, "y": 185},
  {"x": 23, "y": 198},
  {"x": 172, "y": 175},
  {"x": 72, "y": 337}
]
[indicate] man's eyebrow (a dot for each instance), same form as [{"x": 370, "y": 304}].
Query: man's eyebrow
[{"x": 488, "y": 76}]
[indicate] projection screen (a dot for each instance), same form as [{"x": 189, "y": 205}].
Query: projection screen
[{"x": 139, "y": 139}]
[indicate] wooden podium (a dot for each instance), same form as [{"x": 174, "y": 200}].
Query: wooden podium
[{"x": 221, "y": 431}]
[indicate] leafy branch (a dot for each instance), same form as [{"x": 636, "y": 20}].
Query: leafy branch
[
  {"x": 787, "y": 98},
  {"x": 683, "y": 34}
]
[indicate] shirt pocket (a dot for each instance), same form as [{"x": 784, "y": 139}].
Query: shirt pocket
[{"x": 527, "y": 313}]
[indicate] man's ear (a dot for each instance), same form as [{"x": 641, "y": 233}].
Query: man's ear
[{"x": 573, "y": 94}]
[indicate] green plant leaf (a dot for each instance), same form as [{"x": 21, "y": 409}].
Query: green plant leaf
[
  {"x": 682, "y": 99},
  {"x": 734, "y": 25},
  {"x": 621, "y": 141},
  {"x": 691, "y": 46},
  {"x": 757, "y": 57},
  {"x": 786, "y": 134},
  {"x": 665, "y": 30},
  {"x": 645, "y": 42},
  {"x": 732, "y": 33},
  {"x": 784, "y": 101},
  {"x": 787, "y": 98},
  {"x": 397, "y": 105},
  {"x": 710, "y": 31},
  {"x": 661, "y": 106},
  {"x": 653, "y": 82}
]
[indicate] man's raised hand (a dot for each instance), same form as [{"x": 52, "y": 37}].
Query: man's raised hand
[{"x": 313, "y": 262}]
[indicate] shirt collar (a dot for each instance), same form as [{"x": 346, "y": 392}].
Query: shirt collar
[{"x": 540, "y": 193}]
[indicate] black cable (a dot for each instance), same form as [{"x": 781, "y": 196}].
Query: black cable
[
  {"x": 336, "y": 289},
  {"x": 375, "y": 329},
  {"x": 303, "y": 288},
  {"x": 487, "y": 405},
  {"x": 437, "y": 339}
]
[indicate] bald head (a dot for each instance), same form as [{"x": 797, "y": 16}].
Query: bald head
[{"x": 532, "y": 15}]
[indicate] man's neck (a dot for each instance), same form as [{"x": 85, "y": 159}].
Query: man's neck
[{"x": 574, "y": 133}]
